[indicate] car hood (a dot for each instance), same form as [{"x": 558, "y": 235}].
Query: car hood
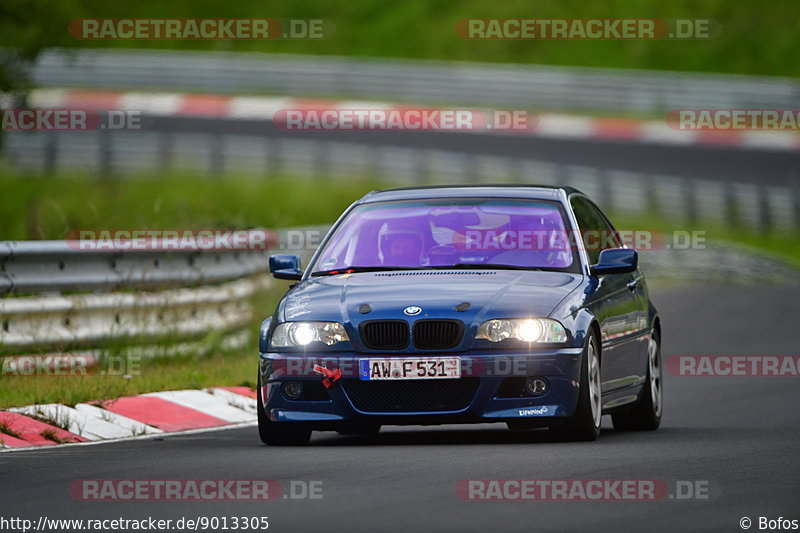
[{"x": 469, "y": 295}]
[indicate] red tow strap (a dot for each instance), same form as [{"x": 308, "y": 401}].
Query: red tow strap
[{"x": 331, "y": 376}]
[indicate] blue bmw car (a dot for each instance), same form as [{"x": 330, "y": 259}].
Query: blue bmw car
[{"x": 463, "y": 304}]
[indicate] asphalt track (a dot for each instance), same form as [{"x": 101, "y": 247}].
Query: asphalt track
[
  {"x": 740, "y": 435},
  {"x": 720, "y": 163}
]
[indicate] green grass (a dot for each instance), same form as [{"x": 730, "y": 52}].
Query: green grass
[
  {"x": 48, "y": 208},
  {"x": 191, "y": 370},
  {"x": 756, "y": 38},
  {"x": 782, "y": 245}
]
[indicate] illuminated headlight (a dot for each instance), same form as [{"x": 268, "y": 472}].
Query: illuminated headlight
[
  {"x": 293, "y": 334},
  {"x": 522, "y": 329}
]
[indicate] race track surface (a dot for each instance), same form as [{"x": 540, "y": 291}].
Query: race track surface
[
  {"x": 738, "y": 434},
  {"x": 720, "y": 163}
]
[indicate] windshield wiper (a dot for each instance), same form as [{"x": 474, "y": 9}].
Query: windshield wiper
[
  {"x": 356, "y": 269},
  {"x": 498, "y": 266},
  {"x": 456, "y": 266}
]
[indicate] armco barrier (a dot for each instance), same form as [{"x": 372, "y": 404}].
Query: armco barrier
[
  {"x": 417, "y": 81},
  {"x": 55, "y": 296}
]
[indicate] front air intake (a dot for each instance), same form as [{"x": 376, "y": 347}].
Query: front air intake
[
  {"x": 384, "y": 334},
  {"x": 437, "y": 334}
]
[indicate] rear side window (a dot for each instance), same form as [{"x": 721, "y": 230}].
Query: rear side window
[{"x": 596, "y": 231}]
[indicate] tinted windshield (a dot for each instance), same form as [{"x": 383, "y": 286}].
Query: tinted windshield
[{"x": 462, "y": 233}]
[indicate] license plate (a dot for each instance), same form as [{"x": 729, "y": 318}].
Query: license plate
[{"x": 410, "y": 368}]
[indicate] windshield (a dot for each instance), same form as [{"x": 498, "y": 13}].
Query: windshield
[{"x": 456, "y": 233}]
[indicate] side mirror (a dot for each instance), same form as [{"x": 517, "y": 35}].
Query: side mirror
[
  {"x": 615, "y": 261},
  {"x": 285, "y": 266}
]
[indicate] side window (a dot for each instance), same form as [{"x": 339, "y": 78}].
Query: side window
[{"x": 597, "y": 232}]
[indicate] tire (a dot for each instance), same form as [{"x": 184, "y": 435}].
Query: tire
[
  {"x": 646, "y": 415},
  {"x": 272, "y": 433},
  {"x": 585, "y": 423}
]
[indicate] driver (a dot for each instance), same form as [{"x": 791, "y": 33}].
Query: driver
[{"x": 401, "y": 246}]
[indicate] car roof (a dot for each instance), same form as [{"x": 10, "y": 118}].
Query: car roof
[{"x": 536, "y": 192}]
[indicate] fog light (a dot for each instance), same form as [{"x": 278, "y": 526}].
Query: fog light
[
  {"x": 293, "y": 390},
  {"x": 536, "y": 386}
]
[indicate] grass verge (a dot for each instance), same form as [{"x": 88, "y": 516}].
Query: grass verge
[
  {"x": 186, "y": 371},
  {"x": 781, "y": 245},
  {"x": 34, "y": 207}
]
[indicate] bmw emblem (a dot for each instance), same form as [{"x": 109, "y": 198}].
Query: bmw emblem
[{"x": 412, "y": 310}]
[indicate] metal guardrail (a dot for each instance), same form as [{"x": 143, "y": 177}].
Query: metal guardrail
[
  {"x": 56, "y": 296},
  {"x": 34, "y": 266},
  {"x": 719, "y": 263},
  {"x": 754, "y": 206},
  {"x": 99, "y": 319},
  {"x": 419, "y": 81}
]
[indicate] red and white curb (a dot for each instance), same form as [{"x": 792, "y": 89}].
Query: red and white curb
[
  {"x": 547, "y": 125},
  {"x": 127, "y": 417}
]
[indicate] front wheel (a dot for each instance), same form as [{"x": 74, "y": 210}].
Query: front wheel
[
  {"x": 646, "y": 415},
  {"x": 585, "y": 423},
  {"x": 273, "y": 433}
]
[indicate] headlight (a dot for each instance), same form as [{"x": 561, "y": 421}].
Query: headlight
[
  {"x": 293, "y": 334},
  {"x": 522, "y": 329}
]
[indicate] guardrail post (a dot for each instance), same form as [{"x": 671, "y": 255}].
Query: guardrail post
[
  {"x": 562, "y": 178},
  {"x": 690, "y": 200},
  {"x": 322, "y": 159},
  {"x": 651, "y": 197},
  {"x": 373, "y": 164},
  {"x": 764, "y": 214},
  {"x": 794, "y": 190},
  {"x": 515, "y": 169},
  {"x": 606, "y": 197},
  {"x": 165, "y": 153},
  {"x": 216, "y": 157},
  {"x": 104, "y": 154},
  {"x": 421, "y": 167},
  {"x": 730, "y": 214},
  {"x": 50, "y": 153},
  {"x": 271, "y": 157}
]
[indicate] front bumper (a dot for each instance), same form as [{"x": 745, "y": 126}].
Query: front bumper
[{"x": 338, "y": 405}]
